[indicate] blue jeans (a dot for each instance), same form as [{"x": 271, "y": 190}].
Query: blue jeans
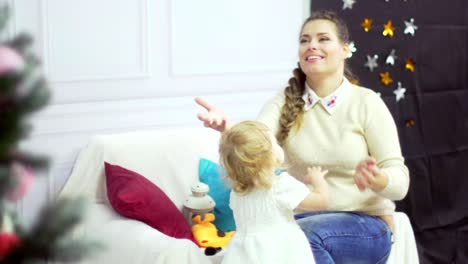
[{"x": 346, "y": 237}]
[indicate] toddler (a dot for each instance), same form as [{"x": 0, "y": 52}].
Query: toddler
[{"x": 263, "y": 202}]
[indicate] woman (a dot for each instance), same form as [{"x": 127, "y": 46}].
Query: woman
[{"x": 321, "y": 119}]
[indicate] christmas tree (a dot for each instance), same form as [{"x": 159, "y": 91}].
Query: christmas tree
[{"x": 23, "y": 91}]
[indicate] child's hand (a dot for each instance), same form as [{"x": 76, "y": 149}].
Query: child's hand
[
  {"x": 318, "y": 198},
  {"x": 315, "y": 176}
]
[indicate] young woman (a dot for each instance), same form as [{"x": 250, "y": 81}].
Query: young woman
[
  {"x": 352, "y": 135},
  {"x": 263, "y": 202}
]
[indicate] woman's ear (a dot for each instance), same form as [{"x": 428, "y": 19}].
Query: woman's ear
[{"x": 346, "y": 50}]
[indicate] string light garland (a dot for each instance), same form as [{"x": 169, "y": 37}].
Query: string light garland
[{"x": 391, "y": 60}]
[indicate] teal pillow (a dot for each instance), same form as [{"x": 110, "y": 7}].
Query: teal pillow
[{"x": 210, "y": 174}]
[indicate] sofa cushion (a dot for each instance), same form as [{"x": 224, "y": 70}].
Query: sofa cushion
[
  {"x": 210, "y": 174},
  {"x": 135, "y": 197}
]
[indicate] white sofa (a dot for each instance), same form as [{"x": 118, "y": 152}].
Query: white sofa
[{"x": 169, "y": 158}]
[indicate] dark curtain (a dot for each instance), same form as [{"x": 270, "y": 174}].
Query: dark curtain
[{"x": 432, "y": 119}]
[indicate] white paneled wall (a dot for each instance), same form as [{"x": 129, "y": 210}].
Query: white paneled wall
[
  {"x": 121, "y": 65},
  {"x": 95, "y": 40}
]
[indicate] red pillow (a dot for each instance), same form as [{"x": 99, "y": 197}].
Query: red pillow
[{"x": 135, "y": 197}]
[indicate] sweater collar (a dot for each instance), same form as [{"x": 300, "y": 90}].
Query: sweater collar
[{"x": 330, "y": 102}]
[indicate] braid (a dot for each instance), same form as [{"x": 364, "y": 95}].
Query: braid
[{"x": 293, "y": 109}]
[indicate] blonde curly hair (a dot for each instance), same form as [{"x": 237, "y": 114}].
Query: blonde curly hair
[{"x": 246, "y": 154}]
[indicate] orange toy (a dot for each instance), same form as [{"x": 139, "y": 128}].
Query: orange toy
[{"x": 206, "y": 234}]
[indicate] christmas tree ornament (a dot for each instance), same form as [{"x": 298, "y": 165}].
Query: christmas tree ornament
[
  {"x": 410, "y": 65},
  {"x": 410, "y": 27},
  {"x": 399, "y": 92},
  {"x": 10, "y": 60},
  {"x": 388, "y": 29},
  {"x": 391, "y": 58},
  {"x": 24, "y": 177},
  {"x": 8, "y": 239},
  {"x": 366, "y": 24},
  {"x": 371, "y": 62},
  {"x": 348, "y": 4},
  {"x": 385, "y": 78},
  {"x": 352, "y": 48},
  {"x": 8, "y": 242}
]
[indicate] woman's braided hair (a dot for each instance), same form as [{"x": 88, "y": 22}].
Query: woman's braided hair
[{"x": 292, "y": 111}]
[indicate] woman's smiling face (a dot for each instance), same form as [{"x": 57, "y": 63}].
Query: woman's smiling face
[{"x": 320, "y": 50}]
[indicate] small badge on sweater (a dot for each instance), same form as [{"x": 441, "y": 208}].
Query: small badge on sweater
[{"x": 332, "y": 102}]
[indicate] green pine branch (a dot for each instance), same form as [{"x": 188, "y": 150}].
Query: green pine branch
[
  {"x": 51, "y": 236},
  {"x": 23, "y": 92}
]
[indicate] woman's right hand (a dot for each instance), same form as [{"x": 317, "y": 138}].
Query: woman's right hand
[{"x": 215, "y": 118}]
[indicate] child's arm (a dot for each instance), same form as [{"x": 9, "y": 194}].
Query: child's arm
[{"x": 318, "y": 199}]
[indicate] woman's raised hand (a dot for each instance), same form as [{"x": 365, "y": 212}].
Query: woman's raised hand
[{"x": 215, "y": 118}]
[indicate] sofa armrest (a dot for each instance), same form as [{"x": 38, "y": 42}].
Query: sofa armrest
[
  {"x": 404, "y": 248},
  {"x": 131, "y": 241}
]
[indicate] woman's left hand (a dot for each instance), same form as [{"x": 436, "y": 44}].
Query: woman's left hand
[{"x": 368, "y": 175}]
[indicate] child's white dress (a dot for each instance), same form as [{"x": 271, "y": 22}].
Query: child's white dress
[{"x": 266, "y": 230}]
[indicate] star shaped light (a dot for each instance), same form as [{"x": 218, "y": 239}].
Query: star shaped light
[
  {"x": 385, "y": 78},
  {"x": 348, "y": 4},
  {"x": 352, "y": 49},
  {"x": 391, "y": 58},
  {"x": 366, "y": 24},
  {"x": 399, "y": 92},
  {"x": 410, "y": 27},
  {"x": 410, "y": 65},
  {"x": 371, "y": 62},
  {"x": 388, "y": 29},
  {"x": 409, "y": 122}
]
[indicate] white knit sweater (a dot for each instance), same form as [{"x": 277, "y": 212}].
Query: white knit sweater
[{"x": 356, "y": 125}]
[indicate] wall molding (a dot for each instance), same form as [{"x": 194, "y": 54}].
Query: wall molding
[
  {"x": 140, "y": 113},
  {"x": 208, "y": 68},
  {"x": 143, "y": 73}
]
